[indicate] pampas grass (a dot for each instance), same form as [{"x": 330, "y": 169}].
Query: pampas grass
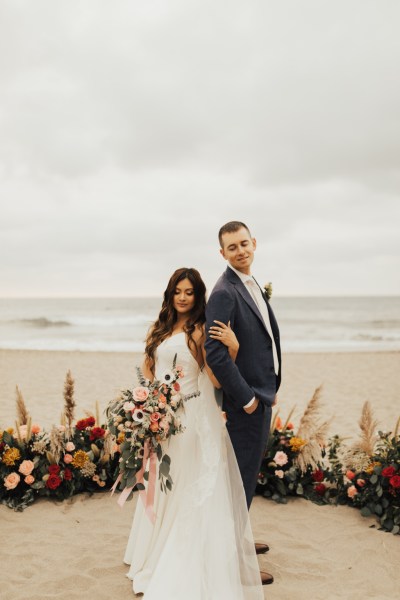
[
  {"x": 22, "y": 411},
  {"x": 69, "y": 402},
  {"x": 313, "y": 432},
  {"x": 368, "y": 438}
]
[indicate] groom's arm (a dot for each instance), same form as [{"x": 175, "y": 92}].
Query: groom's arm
[{"x": 221, "y": 307}]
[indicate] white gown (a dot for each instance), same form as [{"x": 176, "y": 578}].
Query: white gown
[{"x": 201, "y": 545}]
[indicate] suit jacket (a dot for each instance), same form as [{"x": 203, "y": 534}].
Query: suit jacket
[{"x": 253, "y": 372}]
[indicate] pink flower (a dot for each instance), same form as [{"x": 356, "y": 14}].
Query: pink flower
[
  {"x": 12, "y": 480},
  {"x": 360, "y": 482},
  {"x": 68, "y": 458},
  {"x": 154, "y": 417},
  {"x": 70, "y": 446},
  {"x": 352, "y": 491},
  {"x": 29, "y": 479},
  {"x": 162, "y": 405},
  {"x": 140, "y": 394},
  {"x": 35, "y": 429},
  {"x": 279, "y": 473},
  {"x": 128, "y": 406},
  {"x": 280, "y": 458},
  {"x": 177, "y": 387},
  {"x": 26, "y": 467},
  {"x": 350, "y": 475}
]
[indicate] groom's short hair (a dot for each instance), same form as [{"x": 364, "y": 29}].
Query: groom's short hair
[{"x": 231, "y": 227}]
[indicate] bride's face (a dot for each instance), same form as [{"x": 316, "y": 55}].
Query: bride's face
[{"x": 184, "y": 298}]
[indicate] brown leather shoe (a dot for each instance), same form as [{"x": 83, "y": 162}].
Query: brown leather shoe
[
  {"x": 261, "y": 548},
  {"x": 266, "y": 578}
]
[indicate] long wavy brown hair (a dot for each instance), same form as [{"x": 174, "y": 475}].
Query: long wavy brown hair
[{"x": 167, "y": 318}]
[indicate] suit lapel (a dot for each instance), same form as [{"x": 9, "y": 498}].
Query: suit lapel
[{"x": 245, "y": 294}]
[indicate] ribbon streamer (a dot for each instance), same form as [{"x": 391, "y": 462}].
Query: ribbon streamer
[{"x": 146, "y": 496}]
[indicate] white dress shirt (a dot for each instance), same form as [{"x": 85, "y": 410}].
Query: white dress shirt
[{"x": 255, "y": 292}]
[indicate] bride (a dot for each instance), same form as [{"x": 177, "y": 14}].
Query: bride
[{"x": 201, "y": 545}]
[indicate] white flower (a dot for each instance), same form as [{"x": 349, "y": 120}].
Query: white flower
[
  {"x": 279, "y": 473},
  {"x": 128, "y": 406},
  {"x": 138, "y": 415},
  {"x": 168, "y": 377}
]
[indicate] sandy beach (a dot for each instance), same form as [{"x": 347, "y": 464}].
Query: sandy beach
[{"x": 74, "y": 549}]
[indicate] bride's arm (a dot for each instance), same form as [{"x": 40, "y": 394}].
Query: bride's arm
[
  {"x": 146, "y": 369},
  {"x": 227, "y": 337}
]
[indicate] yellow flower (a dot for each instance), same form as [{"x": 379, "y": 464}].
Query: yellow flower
[
  {"x": 371, "y": 467},
  {"x": 296, "y": 443},
  {"x": 11, "y": 456},
  {"x": 80, "y": 459},
  {"x": 10, "y": 430}
]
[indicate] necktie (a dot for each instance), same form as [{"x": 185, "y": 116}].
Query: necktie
[{"x": 262, "y": 307}]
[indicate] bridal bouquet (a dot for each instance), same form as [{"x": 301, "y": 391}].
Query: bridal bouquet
[{"x": 141, "y": 419}]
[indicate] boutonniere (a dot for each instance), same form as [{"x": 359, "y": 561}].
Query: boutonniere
[{"x": 268, "y": 290}]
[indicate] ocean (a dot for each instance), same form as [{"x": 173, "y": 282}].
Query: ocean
[{"x": 119, "y": 324}]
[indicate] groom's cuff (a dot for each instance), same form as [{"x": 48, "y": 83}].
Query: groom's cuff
[{"x": 250, "y": 403}]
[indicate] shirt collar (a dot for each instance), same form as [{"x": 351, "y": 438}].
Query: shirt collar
[{"x": 242, "y": 276}]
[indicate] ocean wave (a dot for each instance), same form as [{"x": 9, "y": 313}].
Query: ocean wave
[{"x": 42, "y": 322}]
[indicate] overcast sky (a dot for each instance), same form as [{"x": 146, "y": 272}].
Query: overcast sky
[{"x": 130, "y": 131}]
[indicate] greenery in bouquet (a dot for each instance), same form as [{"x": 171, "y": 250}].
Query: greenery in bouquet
[
  {"x": 371, "y": 473},
  {"x": 141, "y": 420}
]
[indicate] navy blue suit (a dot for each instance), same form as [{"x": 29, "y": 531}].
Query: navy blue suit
[{"x": 252, "y": 375}]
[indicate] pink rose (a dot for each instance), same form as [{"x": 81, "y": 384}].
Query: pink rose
[
  {"x": 155, "y": 417},
  {"x": 70, "y": 446},
  {"x": 280, "y": 458},
  {"x": 352, "y": 491},
  {"x": 29, "y": 479},
  {"x": 68, "y": 458},
  {"x": 140, "y": 394},
  {"x": 279, "y": 473},
  {"x": 35, "y": 429},
  {"x": 12, "y": 480},
  {"x": 360, "y": 482},
  {"x": 26, "y": 467}
]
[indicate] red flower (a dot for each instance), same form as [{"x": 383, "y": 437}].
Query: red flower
[
  {"x": 81, "y": 425},
  {"x": 53, "y": 481},
  {"x": 97, "y": 433},
  {"x": 388, "y": 472},
  {"x": 67, "y": 474},
  {"x": 54, "y": 469},
  {"x": 320, "y": 489},
  {"x": 90, "y": 421},
  {"x": 318, "y": 475},
  {"x": 395, "y": 481},
  {"x": 350, "y": 475}
]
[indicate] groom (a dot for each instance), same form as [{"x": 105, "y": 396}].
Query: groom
[{"x": 251, "y": 382}]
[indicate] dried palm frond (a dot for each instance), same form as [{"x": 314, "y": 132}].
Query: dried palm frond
[
  {"x": 288, "y": 418},
  {"x": 22, "y": 411},
  {"x": 313, "y": 432},
  {"x": 69, "y": 402},
  {"x": 367, "y": 441},
  {"x": 396, "y": 429},
  {"x": 98, "y": 423},
  {"x": 57, "y": 443}
]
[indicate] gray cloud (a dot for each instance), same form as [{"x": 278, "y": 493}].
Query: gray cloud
[{"x": 130, "y": 132}]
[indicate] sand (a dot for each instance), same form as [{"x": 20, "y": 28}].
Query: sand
[{"x": 74, "y": 549}]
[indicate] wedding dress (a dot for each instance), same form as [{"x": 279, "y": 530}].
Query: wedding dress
[{"x": 201, "y": 545}]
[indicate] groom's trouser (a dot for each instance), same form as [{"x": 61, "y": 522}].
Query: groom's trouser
[{"x": 249, "y": 436}]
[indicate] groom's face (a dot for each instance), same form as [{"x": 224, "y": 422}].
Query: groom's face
[{"x": 238, "y": 249}]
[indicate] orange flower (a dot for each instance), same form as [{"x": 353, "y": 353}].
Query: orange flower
[
  {"x": 154, "y": 426},
  {"x": 278, "y": 423}
]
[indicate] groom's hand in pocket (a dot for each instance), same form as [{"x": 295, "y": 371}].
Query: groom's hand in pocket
[{"x": 253, "y": 407}]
